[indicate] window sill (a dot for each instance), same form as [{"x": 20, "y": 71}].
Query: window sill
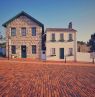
[
  {"x": 61, "y": 40},
  {"x": 52, "y": 40},
  {"x": 70, "y": 40},
  {"x": 52, "y": 55},
  {"x": 70, "y": 55}
]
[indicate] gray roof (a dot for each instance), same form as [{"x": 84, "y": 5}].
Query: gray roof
[
  {"x": 61, "y": 29},
  {"x": 22, "y": 13}
]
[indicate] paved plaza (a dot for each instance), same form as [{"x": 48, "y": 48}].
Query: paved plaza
[{"x": 44, "y": 79}]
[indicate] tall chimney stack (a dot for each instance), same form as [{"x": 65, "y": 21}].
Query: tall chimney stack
[{"x": 70, "y": 25}]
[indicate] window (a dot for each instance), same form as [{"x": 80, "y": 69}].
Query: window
[
  {"x": 23, "y": 31},
  {"x": 13, "y": 31},
  {"x": 70, "y": 37},
  {"x": 33, "y": 49},
  {"x": 70, "y": 51},
  {"x": 61, "y": 37},
  {"x": 53, "y": 51},
  {"x": 78, "y": 49},
  {"x": 13, "y": 49},
  {"x": 34, "y": 31},
  {"x": 53, "y": 37}
]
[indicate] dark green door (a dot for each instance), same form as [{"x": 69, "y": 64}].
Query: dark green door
[
  {"x": 61, "y": 53},
  {"x": 23, "y": 51}
]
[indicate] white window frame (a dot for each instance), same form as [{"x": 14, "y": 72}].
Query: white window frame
[
  {"x": 52, "y": 51},
  {"x": 25, "y": 30},
  {"x": 12, "y": 32},
  {"x": 52, "y": 37},
  {"x": 70, "y": 52},
  {"x": 69, "y": 36},
  {"x": 62, "y": 38},
  {"x": 35, "y": 31},
  {"x": 34, "y": 49}
]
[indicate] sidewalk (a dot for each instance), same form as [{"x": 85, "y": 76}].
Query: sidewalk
[{"x": 31, "y": 61}]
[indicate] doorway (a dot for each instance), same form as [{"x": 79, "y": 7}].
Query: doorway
[
  {"x": 61, "y": 53},
  {"x": 23, "y": 51}
]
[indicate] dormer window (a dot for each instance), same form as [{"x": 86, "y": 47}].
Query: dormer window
[{"x": 13, "y": 31}]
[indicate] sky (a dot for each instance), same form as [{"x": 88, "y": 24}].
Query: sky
[{"x": 54, "y": 13}]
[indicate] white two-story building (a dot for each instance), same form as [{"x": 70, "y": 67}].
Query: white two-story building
[{"x": 61, "y": 44}]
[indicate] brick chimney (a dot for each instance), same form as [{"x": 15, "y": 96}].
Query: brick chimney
[{"x": 70, "y": 25}]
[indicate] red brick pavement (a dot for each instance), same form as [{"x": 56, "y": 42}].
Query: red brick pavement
[{"x": 44, "y": 79}]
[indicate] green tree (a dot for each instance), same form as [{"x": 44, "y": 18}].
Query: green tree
[{"x": 91, "y": 43}]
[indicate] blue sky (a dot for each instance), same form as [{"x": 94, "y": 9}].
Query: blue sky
[{"x": 54, "y": 13}]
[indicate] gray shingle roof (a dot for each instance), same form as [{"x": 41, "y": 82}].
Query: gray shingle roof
[
  {"x": 22, "y": 13},
  {"x": 61, "y": 29}
]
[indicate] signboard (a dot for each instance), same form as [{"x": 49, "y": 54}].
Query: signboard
[{"x": 92, "y": 55}]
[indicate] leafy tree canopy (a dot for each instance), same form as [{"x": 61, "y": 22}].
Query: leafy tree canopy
[{"x": 91, "y": 43}]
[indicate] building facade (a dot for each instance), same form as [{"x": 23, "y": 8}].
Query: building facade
[
  {"x": 61, "y": 44},
  {"x": 82, "y": 47},
  {"x": 24, "y": 37}
]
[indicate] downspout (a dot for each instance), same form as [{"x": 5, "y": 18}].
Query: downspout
[{"x": 75, "y": 48}]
